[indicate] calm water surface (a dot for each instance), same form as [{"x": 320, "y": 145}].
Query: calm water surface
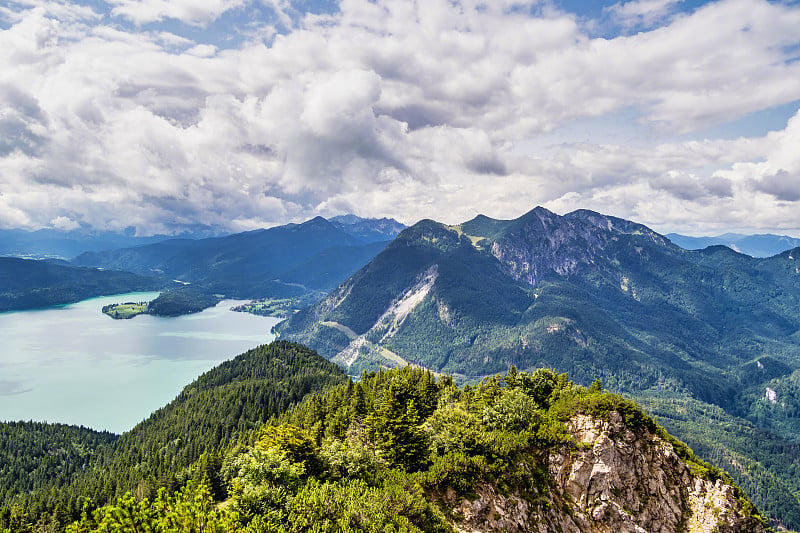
[{"x": 75, "y": 365}]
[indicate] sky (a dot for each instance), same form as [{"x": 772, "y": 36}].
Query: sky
[{"x": 172, "y": 115}]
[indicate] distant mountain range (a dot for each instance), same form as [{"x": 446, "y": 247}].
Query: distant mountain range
[
  {"x": 762, "y": 245},
  {"x": 710, "y": 331},
  {"x": 283, "y": 261},
  {"x": 50, "y": 243},
  {"x": 292, "y": 261}
]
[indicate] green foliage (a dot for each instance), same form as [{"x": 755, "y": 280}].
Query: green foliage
[
  {"x": 125, "y": 310},
  {"x": 177, "y": 443},
  {"x": 398, "y": 505},
  {"x": 190, "y": 510},
  {"x": 181, "y": 301},
  {"x": 384, "y": 453},
  {"x": 36, "y": 455},
  {"x": 600, "y": 405},
  {"x": 277, "y": 307}
]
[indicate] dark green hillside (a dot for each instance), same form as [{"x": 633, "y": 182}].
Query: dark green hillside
[
  {"x": 592, "y": 295},
  {"x": 484, "y": 227},
  {"x": 38, "y": 455},
  {"x": 180, "y": 301},
  {"x": 765, "y": 465},
  {"x": 281, "y": 262},
  {"x": 330, "y": 266},
  {"x": 228, "y": 400},
  {"x": 28, "y": 284},
  {"x": 220, "y": 406}
]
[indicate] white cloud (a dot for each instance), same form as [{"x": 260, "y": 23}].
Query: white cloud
[
  {"x": 412, "y": 110},
  {"x": 643, "y": 13},
  {"x": 193, "y": 12},
  {"x": 64, "y": 223}
]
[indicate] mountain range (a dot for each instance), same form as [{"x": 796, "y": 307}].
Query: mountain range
[
  {"x": 301, "y": 261},
  {"x": 707, "y": 340},
  {"x": 709, "y": 331},
  {"x": 51, "y": 243},
  {"x": 761, "y": 245},
  {"x": 284, "y": 261}
]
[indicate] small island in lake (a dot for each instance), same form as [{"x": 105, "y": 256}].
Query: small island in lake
[{"x": 126, "y": 310}]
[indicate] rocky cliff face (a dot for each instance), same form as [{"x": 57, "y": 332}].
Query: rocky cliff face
[
  {"x": 541, "y": 242},
  {"x": 618, "y": 481}
]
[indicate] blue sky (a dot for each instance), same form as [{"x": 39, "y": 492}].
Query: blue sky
[{"x": 171, "y": 114}]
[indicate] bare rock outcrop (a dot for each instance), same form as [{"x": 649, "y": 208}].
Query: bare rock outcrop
[{"x": 616, "y": 481}]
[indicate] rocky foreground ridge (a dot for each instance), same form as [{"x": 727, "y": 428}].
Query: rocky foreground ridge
[{"x": 618, "y": 480}]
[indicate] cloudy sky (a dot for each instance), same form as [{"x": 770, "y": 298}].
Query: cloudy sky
[{"x": 166, "y": 115}]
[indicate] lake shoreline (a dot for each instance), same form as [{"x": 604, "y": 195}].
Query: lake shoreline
[{"x": 70, "y": 364}]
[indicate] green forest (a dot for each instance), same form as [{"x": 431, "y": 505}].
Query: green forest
[
  {"x": 47, "y": 470},
  {"x": 278, "y": 439}
]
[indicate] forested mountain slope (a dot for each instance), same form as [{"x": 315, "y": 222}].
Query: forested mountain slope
[
  {"x": 27, "y": 284},
  {"x": 588, "y": 294},
  {"x": 38, "y": 455},
  {"x": 283, "y": 261},
  {"x": 67, "y": 464}
]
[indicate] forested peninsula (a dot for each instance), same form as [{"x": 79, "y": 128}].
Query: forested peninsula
[
  {"x": 30, "y": 284},
  {"x": 181, "y": 301}
]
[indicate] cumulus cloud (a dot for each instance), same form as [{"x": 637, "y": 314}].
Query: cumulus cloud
[
  {"x": 413, "y": 110},
  {"x": 188, "y": 11},
  {"x": 642, "y": 13},
  {"x": 782, "y": 185},
  {"x": 64, "y": 223}
]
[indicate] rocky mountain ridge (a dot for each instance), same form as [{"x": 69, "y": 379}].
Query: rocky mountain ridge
[
  {"x": 618, "y": 480},
  {"x": 541, "y": 242}
]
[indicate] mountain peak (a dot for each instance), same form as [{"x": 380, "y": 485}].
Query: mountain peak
[
  {"x": 367, "y": 230},
  {"x": 541, "y": 213},
  {"x": 316, "y": 221}
]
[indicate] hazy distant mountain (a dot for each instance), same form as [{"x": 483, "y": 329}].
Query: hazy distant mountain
[
  {"x": 368, "y": 229},
  {"x": 762, "y": 245},
  {"x": 282, "y": 261},
  {"x": 596, "y": 296},
  {"x": 68, "y": 244},
  {"x": 27, "y": 283}
]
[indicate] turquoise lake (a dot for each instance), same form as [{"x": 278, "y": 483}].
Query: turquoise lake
[{"x": 75, "y": 365}]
